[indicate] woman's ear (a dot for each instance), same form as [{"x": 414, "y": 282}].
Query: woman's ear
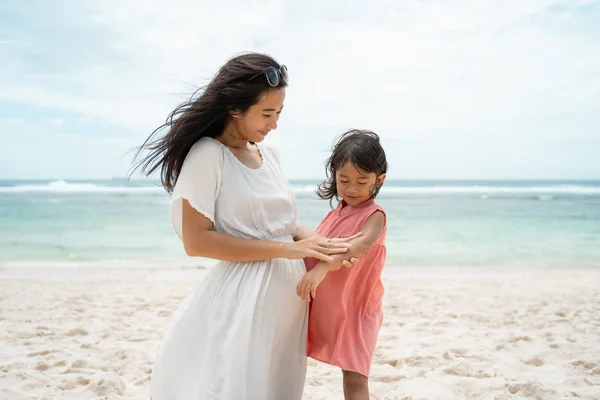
[{"x": 235, "y": 113}]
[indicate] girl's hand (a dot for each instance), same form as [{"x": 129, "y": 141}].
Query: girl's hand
[
  {"x": 310, "y": 281},
  {"x": 351, "y": 263},
  {"x": 316, "y": 247}
]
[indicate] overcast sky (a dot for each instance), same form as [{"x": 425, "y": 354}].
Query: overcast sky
[{"x": 456, "y": 89}]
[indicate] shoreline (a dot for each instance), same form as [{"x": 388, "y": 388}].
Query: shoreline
[{"x": 100, "y": 270}]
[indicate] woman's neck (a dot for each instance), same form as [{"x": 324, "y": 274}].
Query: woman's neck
[{"x": 231, "y": 137}]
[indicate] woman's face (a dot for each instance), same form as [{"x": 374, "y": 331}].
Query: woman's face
[{"x": 261, "y": 118}]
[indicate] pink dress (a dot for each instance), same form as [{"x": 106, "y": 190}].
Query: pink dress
[{"x": 346, "y": 315}]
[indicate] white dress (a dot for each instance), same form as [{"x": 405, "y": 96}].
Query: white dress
[{"x": 241, "y": 334}]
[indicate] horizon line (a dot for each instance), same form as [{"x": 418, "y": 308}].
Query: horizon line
[{"x": 117, "y": 178}]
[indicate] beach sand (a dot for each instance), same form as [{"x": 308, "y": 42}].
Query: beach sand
[{"x": 448, "y": 334}]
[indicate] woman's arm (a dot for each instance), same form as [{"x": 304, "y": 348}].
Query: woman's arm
[{"x": 201, "y": 241}]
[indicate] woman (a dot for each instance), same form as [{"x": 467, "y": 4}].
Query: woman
[{"x": 241, "y": 334}]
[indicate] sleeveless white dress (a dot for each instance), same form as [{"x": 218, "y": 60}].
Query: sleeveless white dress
[{"x": 241, "y": 333}]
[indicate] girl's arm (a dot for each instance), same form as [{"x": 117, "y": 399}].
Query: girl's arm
[
  {"x": 360, "y": 246},
  {"x": 304, "y": 232},
  {"x": 200, "y": 240}
]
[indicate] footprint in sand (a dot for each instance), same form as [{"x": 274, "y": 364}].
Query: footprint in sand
[
  {"x": 72, "y": 382},
  {"x": 83, "y": 381},
  {"x": 107, "y": 384},
  {"x": 40, "y": 353},
  {"x": 418, "y": 361},
  {"x": 42, "y": 366},
  {"x": 31, "y": 335},
  {"x": 388, "y": 378},
  {"x": 531, "y": 389},
  {"x": 560, "y": 314},
  {"x": 468, "y": 371},
  {"x": 67, "y": 385},
  {"x": 138, "y": 339},
  {"x": 77, "y": 332},
  {"x": 79, "y": 364},
  {"x": 516, "y": 339},
  {"x": 393, "y": 362},
  {"x": 535, "y": 361},
  {"x": 142, "y": 381},
  {"x": 584, "y": 364}
]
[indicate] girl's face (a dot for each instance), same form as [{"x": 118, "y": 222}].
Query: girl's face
[
  {"x": 354, "y": 185},
  {"x": 261, "y": 118}
]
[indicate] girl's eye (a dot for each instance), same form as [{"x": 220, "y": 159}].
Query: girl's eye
[
  {"x": 266, "y": 116},
  {"x": 362, "y": 183},
  {"x": 344, "y": 181}
]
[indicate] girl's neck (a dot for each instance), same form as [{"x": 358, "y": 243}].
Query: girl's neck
[{"x": 344, "y": 204}]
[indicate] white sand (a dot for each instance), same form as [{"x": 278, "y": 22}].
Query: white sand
[{"x": 448, "y": 334}]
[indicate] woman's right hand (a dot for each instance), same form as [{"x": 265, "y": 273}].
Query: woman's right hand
[{"x": 315, "y": 246}]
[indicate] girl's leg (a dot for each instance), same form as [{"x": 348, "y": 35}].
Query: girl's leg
[{"x": 356, "y": 386}]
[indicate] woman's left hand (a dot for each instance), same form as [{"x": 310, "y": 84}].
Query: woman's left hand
[
  {"x": 353, "y": 260},
  {"x": 344, "y": 240}
]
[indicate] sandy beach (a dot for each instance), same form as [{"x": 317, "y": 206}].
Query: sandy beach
[{"x": 448, "y": 334}]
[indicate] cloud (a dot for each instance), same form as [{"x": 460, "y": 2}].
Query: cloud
[{"x": 430, "y": 73}]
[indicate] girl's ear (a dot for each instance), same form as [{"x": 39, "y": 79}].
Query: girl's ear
[{"x": 380, "y": 179}]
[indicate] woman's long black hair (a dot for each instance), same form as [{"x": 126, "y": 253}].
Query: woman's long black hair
[{"x": 237, "y": 86}]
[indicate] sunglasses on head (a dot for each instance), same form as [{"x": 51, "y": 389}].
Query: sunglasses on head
[{"x": 273, "y": 75}]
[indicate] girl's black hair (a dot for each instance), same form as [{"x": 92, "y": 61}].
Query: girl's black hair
[
  {"x": 363, "y": 149},
  {"x": 238, "y": 85}
]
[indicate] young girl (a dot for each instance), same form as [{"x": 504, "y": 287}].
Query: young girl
[{"x": 346, "y": 311}]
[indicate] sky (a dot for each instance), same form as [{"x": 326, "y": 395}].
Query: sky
[{"x": 457, "y": 89}]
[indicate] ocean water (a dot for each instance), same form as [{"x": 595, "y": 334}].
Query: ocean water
[{"x": 495, "y": 224}]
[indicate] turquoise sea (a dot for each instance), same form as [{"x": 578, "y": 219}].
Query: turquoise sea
[{"x": 119, "y": 223}]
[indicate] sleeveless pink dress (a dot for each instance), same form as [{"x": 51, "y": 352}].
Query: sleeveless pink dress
[{"x": 346, "y": 315}]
